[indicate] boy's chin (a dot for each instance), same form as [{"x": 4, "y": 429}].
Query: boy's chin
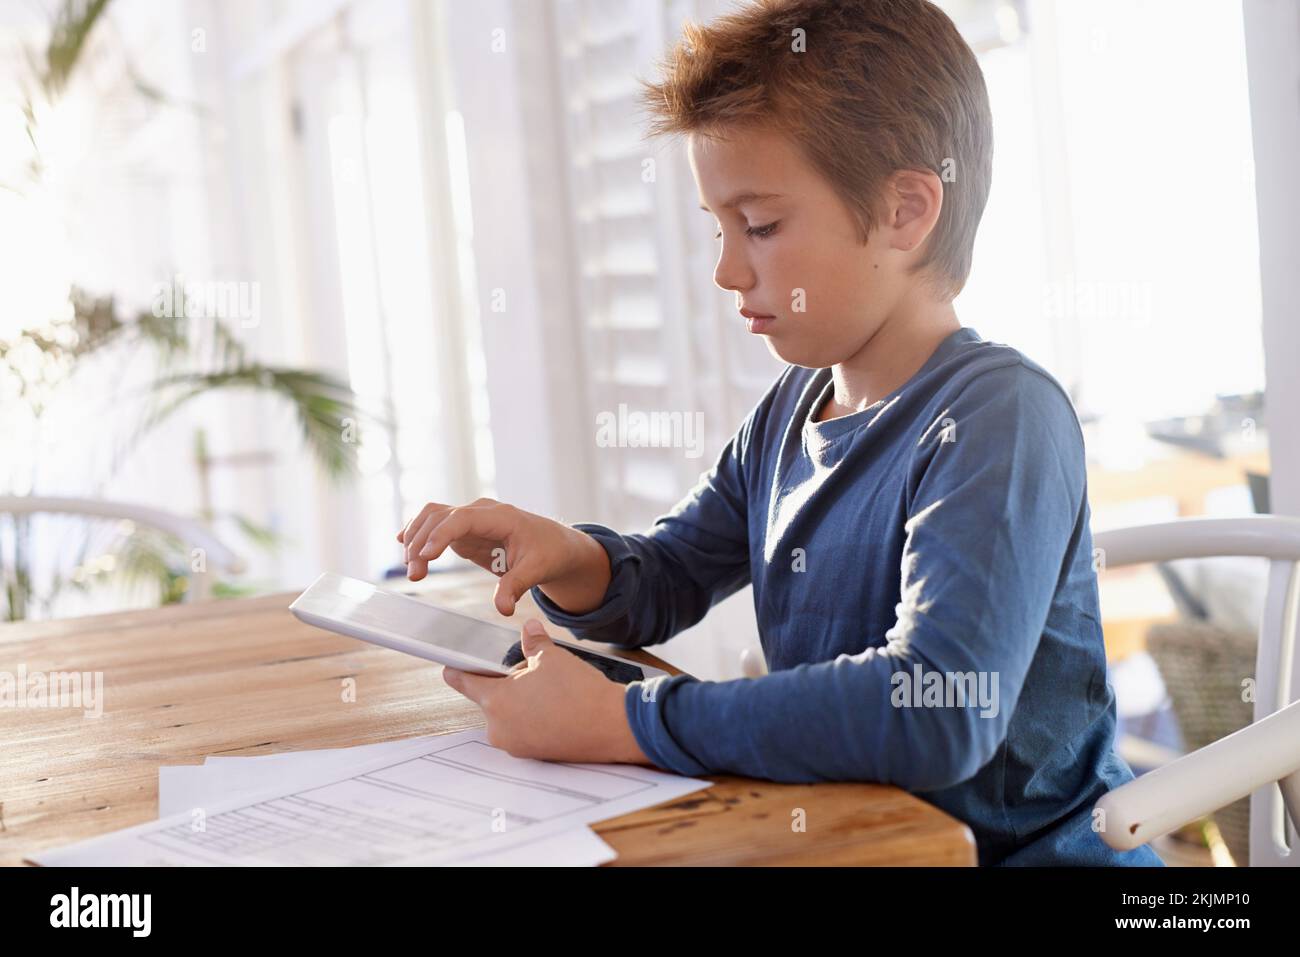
[{"x": 806, "y": 354}]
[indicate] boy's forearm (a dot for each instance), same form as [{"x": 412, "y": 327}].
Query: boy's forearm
[
  {"x": 654, "y": 585},
  {"x": 831, "y": 721}
]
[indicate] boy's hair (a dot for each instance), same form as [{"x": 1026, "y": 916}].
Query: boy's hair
[{"x": 879, "y": 86}]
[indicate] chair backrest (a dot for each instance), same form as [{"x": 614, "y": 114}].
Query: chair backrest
[
  {"x": 188, "y": 530},
  {"x": 1273, "y": 837}
]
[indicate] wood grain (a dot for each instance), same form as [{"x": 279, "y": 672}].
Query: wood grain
[{"x": 245, "y": 677}]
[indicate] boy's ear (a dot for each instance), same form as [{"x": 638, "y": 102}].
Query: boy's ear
[{"x": 915, "y": 198}]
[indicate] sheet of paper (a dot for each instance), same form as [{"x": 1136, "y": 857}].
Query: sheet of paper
[
  {"x": 181, "y": 788},
  {"x": 578, "y": 847},
  {"x": 442, "y": 801}
]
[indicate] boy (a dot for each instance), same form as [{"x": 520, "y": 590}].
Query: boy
[{"x": 908, "y": 500}]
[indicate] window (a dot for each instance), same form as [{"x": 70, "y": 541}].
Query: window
[{"x": 368, "y": 219}]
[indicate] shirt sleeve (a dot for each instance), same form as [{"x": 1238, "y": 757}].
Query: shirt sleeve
[
  {"x": 997, "y": 486},
  {"x": 664, "y": 581}
]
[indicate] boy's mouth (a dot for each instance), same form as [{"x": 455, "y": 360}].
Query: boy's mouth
[{"x": 757, "y": 322}]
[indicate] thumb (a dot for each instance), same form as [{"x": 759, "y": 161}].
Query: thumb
[
  {"x": 511, "y": 587},
  {"x": 534, "y": 637}
]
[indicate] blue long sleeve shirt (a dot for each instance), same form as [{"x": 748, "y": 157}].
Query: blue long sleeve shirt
[{"x": 926, "y": 602}]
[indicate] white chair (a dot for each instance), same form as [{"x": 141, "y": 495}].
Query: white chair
[
  {"x": 1261, "y": 760},
  {"x": 188, "y": 530}
]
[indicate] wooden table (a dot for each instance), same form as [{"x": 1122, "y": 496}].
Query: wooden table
[{"x": 246, "y": 677}]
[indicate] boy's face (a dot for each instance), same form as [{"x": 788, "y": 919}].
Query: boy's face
[{"x": 795, "y": 255}]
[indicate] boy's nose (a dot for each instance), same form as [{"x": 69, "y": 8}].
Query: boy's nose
[{"x": 732, "y": 273}]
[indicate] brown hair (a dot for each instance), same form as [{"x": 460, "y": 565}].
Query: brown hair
[{"x": 880, "y": 85}]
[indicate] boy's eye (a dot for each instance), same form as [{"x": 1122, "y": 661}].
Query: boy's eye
[{"x": 758, "y": 232}]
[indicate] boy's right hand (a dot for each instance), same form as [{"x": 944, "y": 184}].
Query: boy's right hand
[{"x": 521, "y": 548}]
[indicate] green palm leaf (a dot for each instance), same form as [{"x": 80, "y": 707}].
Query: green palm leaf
[
  {"x": 72, "y": 27},
  {"x": 324, "y": 405}
]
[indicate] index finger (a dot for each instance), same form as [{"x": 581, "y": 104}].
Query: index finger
[
  {"x": 405, "y": 530},
  {"x": 488, "y": 521}
]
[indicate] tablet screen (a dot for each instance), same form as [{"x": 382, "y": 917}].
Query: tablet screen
[{"x": 369, "y": 607}]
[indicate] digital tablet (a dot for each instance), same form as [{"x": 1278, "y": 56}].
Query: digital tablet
[{"x": 358, "y": 609}]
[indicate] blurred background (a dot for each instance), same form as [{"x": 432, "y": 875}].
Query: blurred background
[{"x": 275, "y": 273}]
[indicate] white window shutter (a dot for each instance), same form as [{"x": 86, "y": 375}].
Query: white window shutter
[{"x": 660, "y": 337}]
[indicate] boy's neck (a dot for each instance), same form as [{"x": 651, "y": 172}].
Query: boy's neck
[{"x": 893, "y": 354}]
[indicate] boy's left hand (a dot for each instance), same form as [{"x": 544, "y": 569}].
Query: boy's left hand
[{"x": 553, "y": 706}]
